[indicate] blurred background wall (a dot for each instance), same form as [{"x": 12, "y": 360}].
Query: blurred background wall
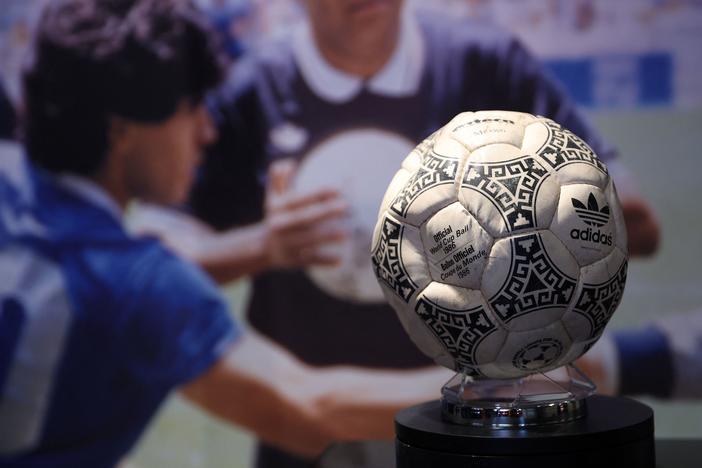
[{"x": 635, "y": 66}]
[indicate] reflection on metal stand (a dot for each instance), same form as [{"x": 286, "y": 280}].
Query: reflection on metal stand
[
  {"x": 543, "y": 398},
  {"x": 546, "y": 420}
]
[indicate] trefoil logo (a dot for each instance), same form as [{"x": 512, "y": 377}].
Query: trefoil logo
[
  {"x": 591, "y": 214},
  {"x": 594, "y": 216}
]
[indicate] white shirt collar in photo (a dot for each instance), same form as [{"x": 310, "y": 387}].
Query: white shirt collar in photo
[
  {"x": 92, "y": 193},
  {"x": 399, "y": 77}
]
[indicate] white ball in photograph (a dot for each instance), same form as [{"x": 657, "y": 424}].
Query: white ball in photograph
[
  {"x": 359, "y": 164},
  {"x": 501, "y": 245}
]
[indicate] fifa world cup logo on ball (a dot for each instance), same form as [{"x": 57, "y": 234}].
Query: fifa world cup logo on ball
[{"x": 501, "y": 245}]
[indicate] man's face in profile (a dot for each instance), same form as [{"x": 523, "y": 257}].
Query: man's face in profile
[{"x": 160, "y": 159}]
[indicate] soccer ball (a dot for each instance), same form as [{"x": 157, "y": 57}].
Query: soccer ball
[{"x": 501, "y": 245}]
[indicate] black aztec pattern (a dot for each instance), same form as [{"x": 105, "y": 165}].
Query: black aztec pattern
[
  {"x": 563, "y": 147},
  {"x": 511, "y": 186},
  {"x": 533, "y": 282},
  {"x": 597, "y": 302},
  {"x": 538, "y": 355},
  {"x": 460, "y": 331},
  {"x": 435, "y": 170},
  {"x": 387, "y": 260}
]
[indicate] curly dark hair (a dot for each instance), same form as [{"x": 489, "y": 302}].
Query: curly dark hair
[{"x": 96, "y": 59}]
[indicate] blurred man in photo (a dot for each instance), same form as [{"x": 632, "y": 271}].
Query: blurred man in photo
[
  {"x": 374, "y": 78},
  {"x": 97, "y": 327}
]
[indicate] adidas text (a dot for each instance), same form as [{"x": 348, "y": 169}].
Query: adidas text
[{"x": 596, "y": 237}]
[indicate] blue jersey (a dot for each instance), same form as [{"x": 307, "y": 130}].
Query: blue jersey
[{"x": 96, "y": 327}]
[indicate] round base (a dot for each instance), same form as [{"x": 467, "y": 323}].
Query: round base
[
  {"x": 506, "y": 416},
  {"x": 615, "y": 432},
  {"x": 556, "y": 397}
]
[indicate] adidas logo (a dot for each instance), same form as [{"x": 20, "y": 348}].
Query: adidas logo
[
  {"x": 591, "y": 214},
  {"x": 594, "y": 216}
]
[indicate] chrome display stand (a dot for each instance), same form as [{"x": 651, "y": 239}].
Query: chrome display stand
[
  {"x": 543, "y": 398},
  {"x": 550, "y": 420}
]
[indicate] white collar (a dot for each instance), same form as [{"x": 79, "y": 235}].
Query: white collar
[
  {"x": 399, "y": 77},
  {"x": 91, "y": 192}
]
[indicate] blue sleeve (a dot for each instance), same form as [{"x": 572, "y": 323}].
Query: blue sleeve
[
  {"x": 178, "y": 325},
  {"x": 683, "y": 332},
  {"x": 645, "y": 362}
]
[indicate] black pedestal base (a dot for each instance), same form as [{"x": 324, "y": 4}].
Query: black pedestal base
[{"x": 615, "y": 432}]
